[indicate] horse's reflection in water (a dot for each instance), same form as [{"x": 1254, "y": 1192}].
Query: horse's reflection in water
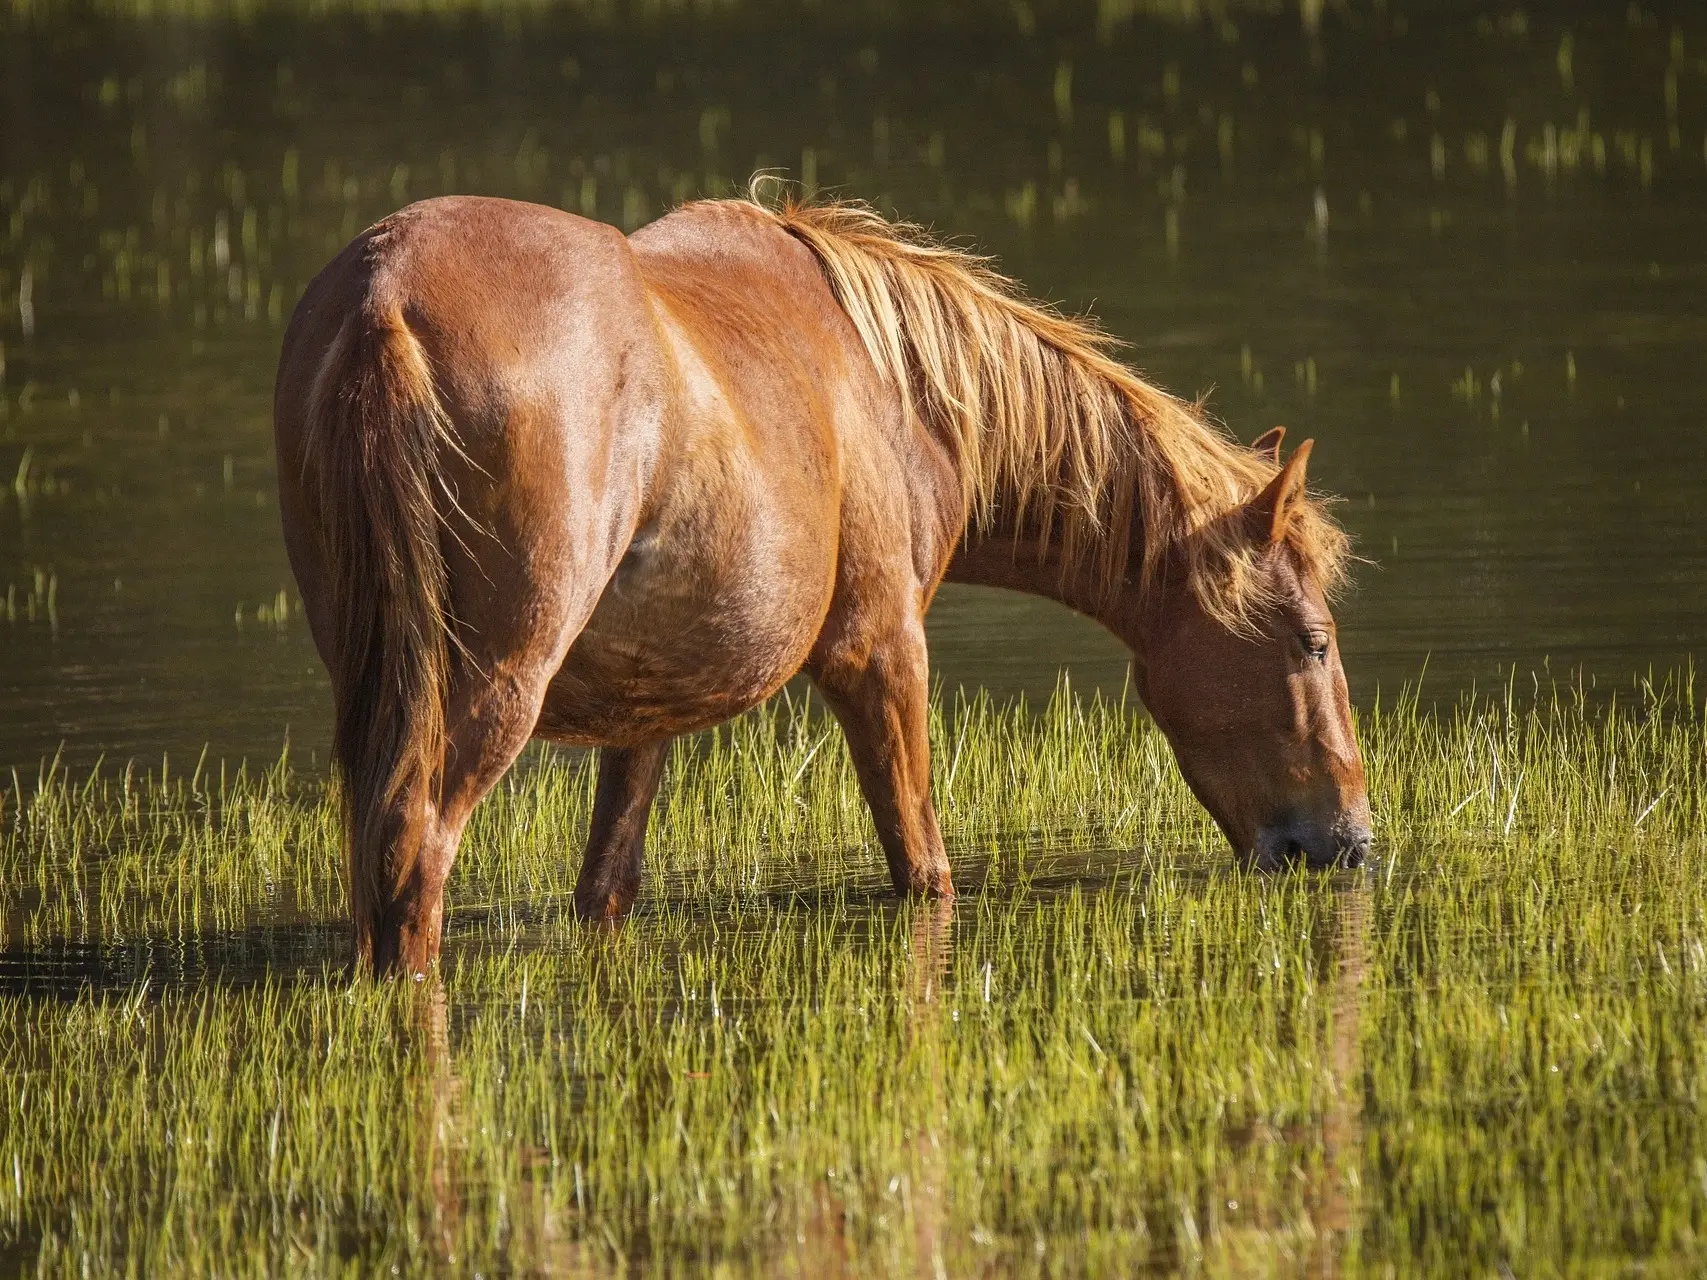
[
  {"x": 540, "y": 1242},
  {"x": 1338, "y": 1208},
  {"x": 1317, "y": 1228},
  {"x": 1331, "y": 1204},
  {"x": 443, "y": 1119},
  {"x": 933, "y": 934},
  {"x": 822, "y": 1249}
]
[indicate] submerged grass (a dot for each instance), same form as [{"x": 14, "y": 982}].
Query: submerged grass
[{"x": 1116, "y": 1050}]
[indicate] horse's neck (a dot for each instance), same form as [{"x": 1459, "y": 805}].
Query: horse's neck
[
  {"x": 1011, "y": 552},
  {"x": 999, "y": 558}
]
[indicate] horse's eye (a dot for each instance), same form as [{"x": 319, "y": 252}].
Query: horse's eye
[{"x": 1315, "y": 644}]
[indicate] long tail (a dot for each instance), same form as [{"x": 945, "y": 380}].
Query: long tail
[{"x": 376, "y": 428}]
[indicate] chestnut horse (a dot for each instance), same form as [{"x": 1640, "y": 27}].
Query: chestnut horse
[{"x": 539, "y": 479}]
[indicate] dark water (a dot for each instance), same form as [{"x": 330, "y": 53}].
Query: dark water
[{"x": 1463, "y": 248}]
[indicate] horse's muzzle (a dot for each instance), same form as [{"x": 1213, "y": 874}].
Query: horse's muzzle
[{"x": 1319, "y": 848}]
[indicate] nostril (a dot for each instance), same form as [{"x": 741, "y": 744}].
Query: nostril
[
  {"x": 1355, "y": 851},
  {"x": 1276, "y": 848}
]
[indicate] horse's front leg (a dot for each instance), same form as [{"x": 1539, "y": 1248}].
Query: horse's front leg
[
  {"x": 616, "y": 841},
  {"x": 881, "y": 696}
]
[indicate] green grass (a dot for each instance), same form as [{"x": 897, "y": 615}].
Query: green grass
[{"x": 1117, "y": 1048}]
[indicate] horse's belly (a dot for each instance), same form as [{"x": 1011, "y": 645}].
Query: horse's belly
[{"x": 680, "y": 643}]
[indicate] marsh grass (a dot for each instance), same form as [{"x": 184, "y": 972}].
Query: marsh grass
[{"x": 1117, "y": 1049}]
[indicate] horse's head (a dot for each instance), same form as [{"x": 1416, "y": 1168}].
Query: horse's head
[{"x": 1255, "y": 706}]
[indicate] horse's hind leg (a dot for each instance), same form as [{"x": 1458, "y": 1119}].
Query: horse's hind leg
[
  {"x": 520, "y": 627},
  {"x": 610, "y": 870},
  {"x": 489, "y": 721}
]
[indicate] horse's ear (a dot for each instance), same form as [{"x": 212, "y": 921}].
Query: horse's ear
[
  {"x": 1272, "y": 510},
  {"x": 1269, "y": 443}
]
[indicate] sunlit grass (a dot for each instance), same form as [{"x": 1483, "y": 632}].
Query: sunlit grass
[{"x": 1117, "y": 1047}]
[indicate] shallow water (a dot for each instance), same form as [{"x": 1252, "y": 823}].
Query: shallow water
[
  {"x": 1462, "y": 249},
  {"x": 1114, "y": 1051}
]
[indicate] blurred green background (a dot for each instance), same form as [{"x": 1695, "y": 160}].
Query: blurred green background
[{"x": 1461, "y": 245}]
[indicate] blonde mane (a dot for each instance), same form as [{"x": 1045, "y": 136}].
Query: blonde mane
[{"x": 1074, "y": 444}]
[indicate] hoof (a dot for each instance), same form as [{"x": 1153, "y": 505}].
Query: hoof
[{"x": 609, "y": 908}]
